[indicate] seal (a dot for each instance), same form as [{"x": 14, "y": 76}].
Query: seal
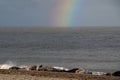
[
  {"x": 117, "y": 73},
  {"x": 33, "y": 67},
  {"x": 14, "y": 68}
]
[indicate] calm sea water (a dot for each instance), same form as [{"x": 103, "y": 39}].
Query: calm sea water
[{"x": 90, "y": 49}]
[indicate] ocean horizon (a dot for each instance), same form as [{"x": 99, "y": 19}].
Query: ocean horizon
[{"x": 92, "y": 48}]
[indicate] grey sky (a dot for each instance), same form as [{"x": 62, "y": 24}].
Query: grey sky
[
  {"x": 38, "y": 13},
  {"x": 102, "y": 12}
]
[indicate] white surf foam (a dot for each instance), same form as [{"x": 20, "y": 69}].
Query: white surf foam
[{"x": 7, "y": 65}]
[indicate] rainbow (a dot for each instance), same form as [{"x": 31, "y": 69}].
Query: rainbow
[{"x": 65, "y": 12}]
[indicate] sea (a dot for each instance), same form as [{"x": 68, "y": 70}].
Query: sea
[{"x": 90, "y": 48}]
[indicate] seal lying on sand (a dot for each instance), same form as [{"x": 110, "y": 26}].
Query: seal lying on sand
[
  {"x": 77, "y": 71},
  {"x": 60, "y": 69},
  {"x": 45, "y": 68},
  {"x": 80, "y": 71},
  {"x": 24, "y": 68},
  {"x": 14, "y": 67},
  {"x": 117, "y": 73},
  {"x": 73, "y": 70},
  {"x": 33, "y": 67}
]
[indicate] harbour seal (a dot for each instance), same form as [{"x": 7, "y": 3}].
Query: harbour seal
[{"x": 117, "y": 73}]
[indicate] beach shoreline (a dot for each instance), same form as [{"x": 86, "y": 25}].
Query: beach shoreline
[{"x": 46, "y": 75}]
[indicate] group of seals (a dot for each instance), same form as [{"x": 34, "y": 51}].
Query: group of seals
[
  {"x": 48, "y": 68},
  {"x": 62, "y": 69}
]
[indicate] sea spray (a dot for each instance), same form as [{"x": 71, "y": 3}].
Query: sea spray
[{"x": 7, "y": 65}]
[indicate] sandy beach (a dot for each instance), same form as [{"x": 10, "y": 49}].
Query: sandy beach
[
  {"x": 27, "y": 77},
  {"x": 45, "y": 75}
]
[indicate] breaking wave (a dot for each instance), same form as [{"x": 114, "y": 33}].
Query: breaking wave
[{"x": 7, "y": 65}]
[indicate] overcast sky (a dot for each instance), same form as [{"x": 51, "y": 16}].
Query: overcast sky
[{"x": 37, "y": 13}]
